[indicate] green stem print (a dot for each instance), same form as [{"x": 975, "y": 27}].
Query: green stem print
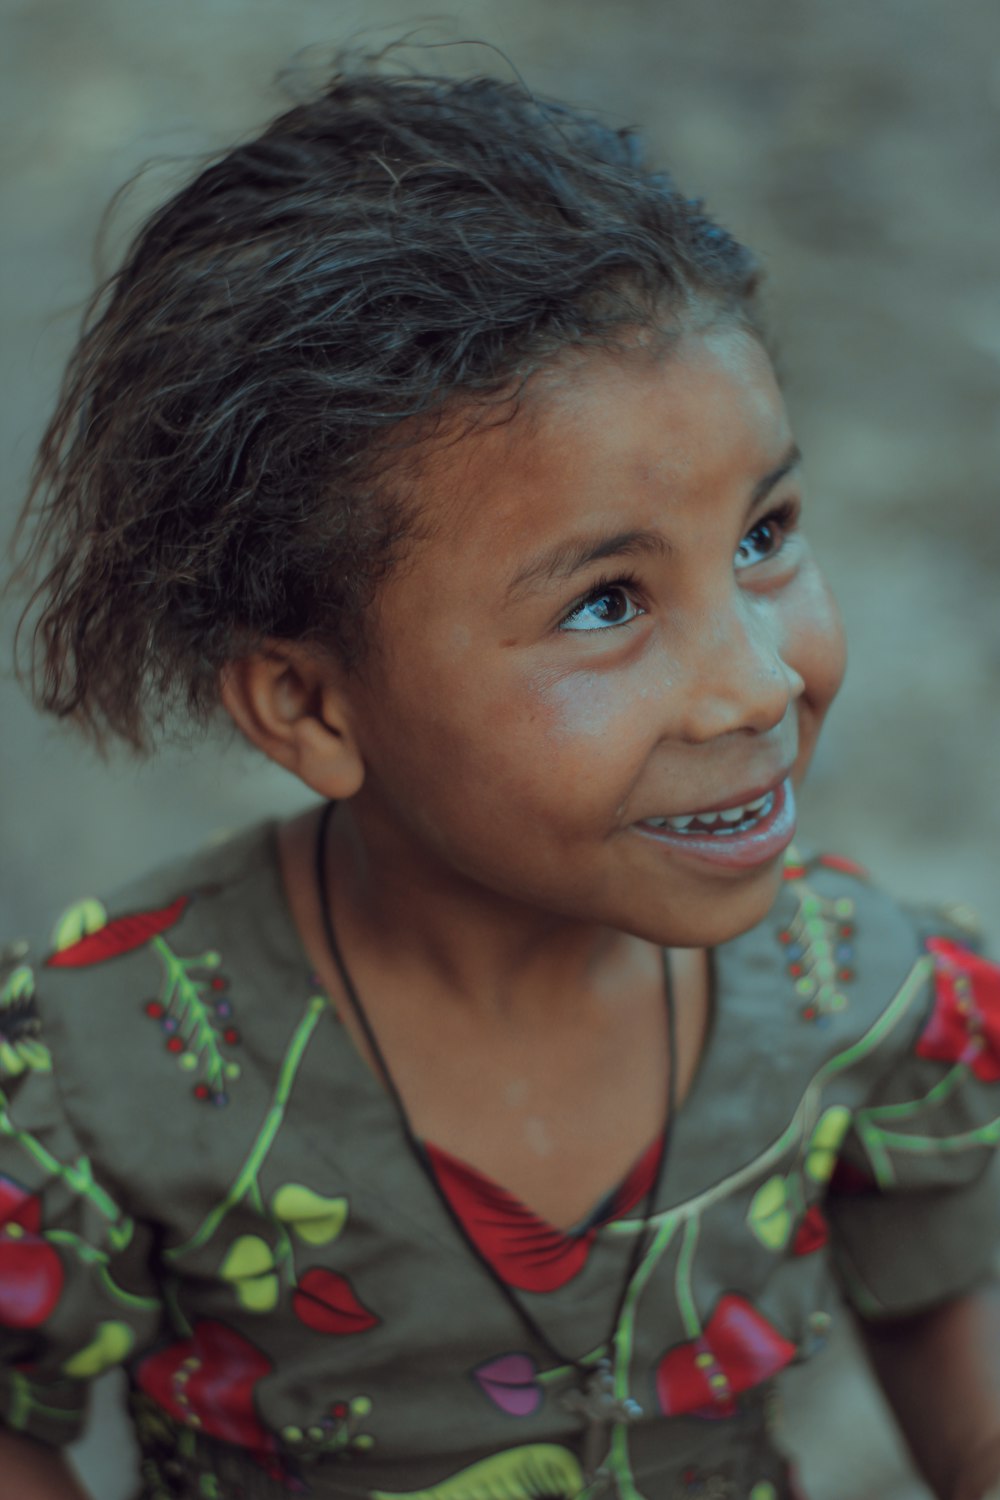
[
  {"x": 620, "y": 1460},
  {"x": 191, "y": 1023},
  {"x": 246, "y": 1183},
  {"x": 878, "y": 1157},
  {"x": 941, "y": 1091},
  {"x": 685, "y": 1296},
  {"x": 878, "y": 1141},
  {"x": 818, "y": 943},
  {"x": 78, "y": 1177},
  {"x": 799, "y": 1128},
  {"x": 23, "y": 1405},
  {"x": 91, "y": 1255},
  {"x": 944, "y": 1145},
  {"x": 559, "y": 1373}
]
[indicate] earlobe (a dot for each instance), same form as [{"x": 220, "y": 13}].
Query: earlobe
[{"x": 290, "y": 704}]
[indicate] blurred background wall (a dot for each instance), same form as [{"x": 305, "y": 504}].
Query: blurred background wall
[{"x": 856, "y": 146}]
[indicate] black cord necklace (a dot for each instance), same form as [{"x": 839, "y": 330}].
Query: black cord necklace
[{"x": 593, "y": 1398}]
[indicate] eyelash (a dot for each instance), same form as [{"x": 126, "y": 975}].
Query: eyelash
[
  {"x": 784, "y": 519},
  {"x": 625, "y": 583}
]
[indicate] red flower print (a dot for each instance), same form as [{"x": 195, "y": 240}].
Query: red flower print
[
  {"x": 812, "y": 1233},
  {"x": 326, "y": 1302},
  {"x": 31, "y": 1273},
  {"x": 121, "y": 935},
  {"x": 965, "y": 1024},
  {"x": 738, "y": 1349},
  {"x": 207, "y": 1381}
]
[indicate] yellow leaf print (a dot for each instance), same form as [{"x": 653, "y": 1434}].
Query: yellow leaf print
[
  {"x": 315, "y": 1219},
  {"x": 19, "y": 985},
  {"x": 113, "y": 1342},
  {"x": 519, "y": 1474},
  {"x": 827, "y": 1139},
  {"x": 78, "y": 922},
  {"x": 249, "y": 1265},
  {"x": 20, "y": 1048},
  {"x": 769, "y": 1216}
]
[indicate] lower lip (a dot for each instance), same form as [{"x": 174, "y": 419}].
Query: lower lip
[{"x": 737, "y": 851}]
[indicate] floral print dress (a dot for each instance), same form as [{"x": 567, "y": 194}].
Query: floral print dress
[{"x": 201, "y": 1180}]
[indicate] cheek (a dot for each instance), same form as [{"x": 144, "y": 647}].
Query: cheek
[{"x": 583, "y": 710}]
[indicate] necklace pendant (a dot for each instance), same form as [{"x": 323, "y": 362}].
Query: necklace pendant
[
  {"x": 600, "y": 1408},
  {"x": 597, "y": 1402}
]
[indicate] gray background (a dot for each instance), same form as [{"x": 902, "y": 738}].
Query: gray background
[{"x": 856, "y": 146}]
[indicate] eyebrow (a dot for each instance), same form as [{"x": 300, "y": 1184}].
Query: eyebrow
[{"x": 569, "y": 557}]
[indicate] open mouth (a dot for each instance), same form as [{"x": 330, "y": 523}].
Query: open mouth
[
  {"x": 741, "y": 836},
  {"x": 722, "y": 823}
]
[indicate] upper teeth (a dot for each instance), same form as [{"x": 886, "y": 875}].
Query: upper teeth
[{"x": 726, "y": 815}]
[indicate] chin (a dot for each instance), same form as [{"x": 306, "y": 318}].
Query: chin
[{"x": 699, "y": 920}]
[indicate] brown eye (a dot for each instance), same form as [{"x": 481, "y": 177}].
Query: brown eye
[
  {"x": 608, "y": 604},
  {"x": 765, "y": 538}
]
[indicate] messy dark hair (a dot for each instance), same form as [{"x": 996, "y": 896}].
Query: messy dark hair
[{"x": 219, "y": 469}]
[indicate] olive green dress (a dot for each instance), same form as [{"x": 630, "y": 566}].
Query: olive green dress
[{"x": 202, "y": 1181}]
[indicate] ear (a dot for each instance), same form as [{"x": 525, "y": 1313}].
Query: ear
[{"x": 291, "y": 703}]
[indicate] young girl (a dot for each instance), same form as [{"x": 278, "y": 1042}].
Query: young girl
[{"x": 504, "y": 1125}]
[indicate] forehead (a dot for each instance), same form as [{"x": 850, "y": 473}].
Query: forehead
[{"x": 604, "y": 439}]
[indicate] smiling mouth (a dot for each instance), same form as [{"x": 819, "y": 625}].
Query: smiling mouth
[
  {"x": 721, "y": 823},
  {"x": 740, "y": 837}
]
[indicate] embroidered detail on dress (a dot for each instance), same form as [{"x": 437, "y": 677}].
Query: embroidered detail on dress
[
  {"x": 965, "y": 1024},
  {"x": 825, "y": 1142},
  {"x": 777, "y": 1208},
  {"x": 31, "y": 1273},
  {"x": 194, "y": 1011},
  {"x": 313, "y": 1218},
  {"x": 195, "y": 1014},
  {"x": 736, "y": 1350},
  {"x": 176, "y": 1464},
  {"x": 85, "y": 936},
  {"x": 338, "y": 1431},
  {"x": 813, "y": 1232},
  {"x": 207, "y": 1383},
  {"x": 516, "y": 1474},
  {"x": 819, "y": 948},
  {"x": 112, "y": 1343},
  {"x": 326, "y": 1302},
  {"x": 511, "y": 1383},
  {"x": 21, "y": 1047}
]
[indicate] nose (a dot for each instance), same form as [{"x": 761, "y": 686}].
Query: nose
[{"x": 738, "y": 678}]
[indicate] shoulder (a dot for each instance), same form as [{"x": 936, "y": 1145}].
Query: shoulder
[
  {"x": 136, "y": 994},
  {"x": 911, "y": 1097},
  {"x": 848, "y": 944},
  {"x": 211, "y": 900},
  {"x": 216, "y": 886}
]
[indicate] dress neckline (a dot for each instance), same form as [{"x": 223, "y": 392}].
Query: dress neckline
[{"x": 362, "y": 1077}]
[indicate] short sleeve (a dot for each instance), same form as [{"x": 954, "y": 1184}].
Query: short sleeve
[
  {"x": 914, "y": 1204},
  {"x": 75, "y": 1289}
]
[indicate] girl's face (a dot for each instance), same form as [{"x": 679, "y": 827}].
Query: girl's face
[{"x": 615, "y": 619}]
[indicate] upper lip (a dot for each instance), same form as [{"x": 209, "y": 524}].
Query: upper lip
[{"x": 759, "y": 789}]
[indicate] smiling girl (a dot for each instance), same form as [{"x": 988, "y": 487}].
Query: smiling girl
[{"x": 503, "y": 1125}]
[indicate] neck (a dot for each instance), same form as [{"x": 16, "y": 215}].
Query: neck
[{"x": 475, "y": 950}]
